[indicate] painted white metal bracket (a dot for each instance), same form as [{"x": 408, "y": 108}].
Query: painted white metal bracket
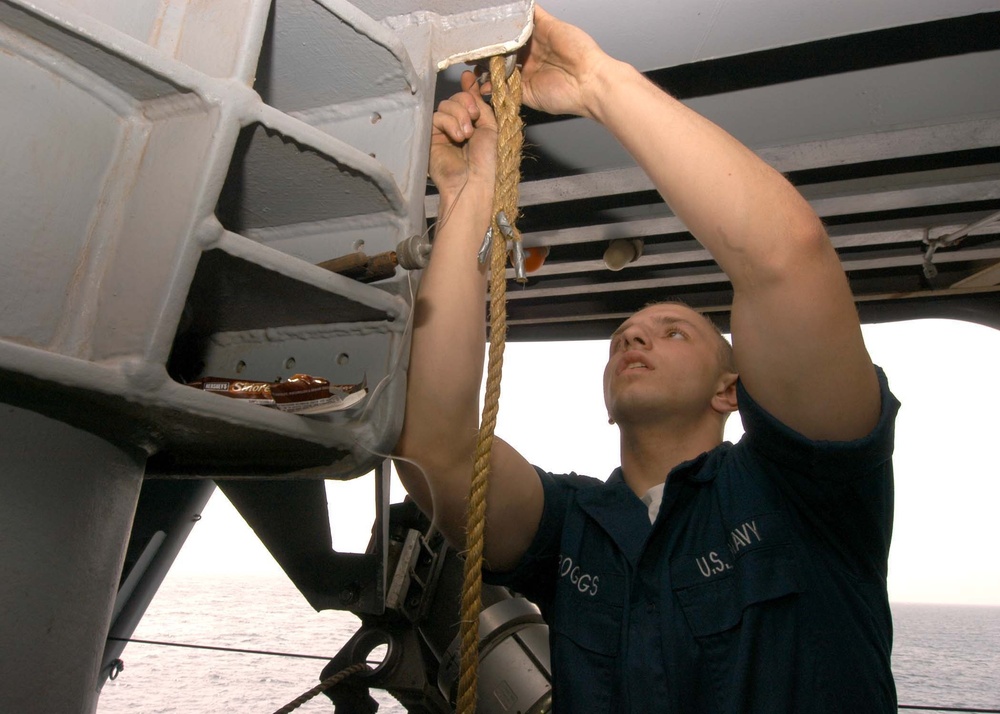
[{"x": 174, "y": 172}]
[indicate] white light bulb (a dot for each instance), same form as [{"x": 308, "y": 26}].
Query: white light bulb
[{"x": 621, "y": 252}]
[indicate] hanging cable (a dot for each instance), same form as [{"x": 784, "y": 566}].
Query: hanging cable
[
  {"x": 948, "y": 709},
  {"x": 218, "y": 649}
]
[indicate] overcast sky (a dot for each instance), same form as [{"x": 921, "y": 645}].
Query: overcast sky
[{"x": 552, "y": 410}]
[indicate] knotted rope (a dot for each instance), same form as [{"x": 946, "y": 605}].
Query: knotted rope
[{"x": 507, "y": 107}]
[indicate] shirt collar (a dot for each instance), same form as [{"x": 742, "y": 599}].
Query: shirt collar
[
  {"x": 702, "y": 468},
  {"x": 615, "y": 507}
]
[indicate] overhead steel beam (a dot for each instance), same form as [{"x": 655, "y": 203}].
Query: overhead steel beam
[
  {"x": 715, "y": 275},
  {"x": 582, "y": 323},
  {"x": 882, "y": 193},
  {"x": 690, "y": 251},
  {"x": 987, "y": 277},
  {"x": 921, "y": 141}
]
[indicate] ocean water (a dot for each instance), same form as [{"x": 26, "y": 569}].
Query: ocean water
[
  {"x": 944, "y": 655},
  {"x": 229, "y": 611}
]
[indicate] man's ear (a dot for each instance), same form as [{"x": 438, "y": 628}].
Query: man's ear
[{"x": 724, "y": 400}]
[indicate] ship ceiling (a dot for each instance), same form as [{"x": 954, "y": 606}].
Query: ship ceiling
[{"x": 892, "y": 134}]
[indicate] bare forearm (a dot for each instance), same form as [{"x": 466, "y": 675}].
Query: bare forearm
[
  {"x": 446, "y": 357},
  {"x": 793, "y": 316},
  {"x": 446, "y": 363},
  {"x": 796, "y": 335},
  {"x": 741, "y": 209}
]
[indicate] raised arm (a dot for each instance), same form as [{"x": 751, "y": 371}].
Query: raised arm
[
  {"x": 796, "y": 334},
  {"x": 449, "y": 336}
]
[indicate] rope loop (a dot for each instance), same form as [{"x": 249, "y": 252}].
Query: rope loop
[
  {"x": 117, "y": 666},
  {"x": 507, "y": 107}
]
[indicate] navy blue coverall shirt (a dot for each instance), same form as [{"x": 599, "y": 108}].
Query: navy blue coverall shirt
[{"x": 761, "y": 587}]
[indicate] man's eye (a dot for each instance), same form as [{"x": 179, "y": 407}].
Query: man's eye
[{"x": 675, "y": 334}]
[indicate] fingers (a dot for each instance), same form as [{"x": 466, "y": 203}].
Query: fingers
[
  {"x": 468, "y": 80},
  {"x": 456, "y": 116},
  {"x": 542, "y": 16},
  {"x": 482, "y": 75},
  {"x": 453, "y": 121},
  {"x": 476, "y": 89}
]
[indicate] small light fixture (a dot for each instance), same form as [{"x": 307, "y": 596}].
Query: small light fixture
[
  {"x": 621, "y": 252},
  {"x": 535, "y": 257}
]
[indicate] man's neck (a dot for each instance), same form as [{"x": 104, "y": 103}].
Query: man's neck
[{"x": 650, "y": 451}]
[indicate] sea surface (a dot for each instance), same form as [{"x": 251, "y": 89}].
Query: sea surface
[{"x": 944, "y": 655}]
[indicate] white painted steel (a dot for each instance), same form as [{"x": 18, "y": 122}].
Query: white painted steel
[{"x": 172, "y": 170}]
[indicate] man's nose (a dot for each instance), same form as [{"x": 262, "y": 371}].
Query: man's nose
[{"x": 635, "y": 337}]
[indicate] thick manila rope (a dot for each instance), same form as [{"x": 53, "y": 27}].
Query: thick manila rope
[{"x": 506, "y": 102}]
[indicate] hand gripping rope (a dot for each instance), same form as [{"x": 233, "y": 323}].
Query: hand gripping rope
[{"x": 507, "y": 106}]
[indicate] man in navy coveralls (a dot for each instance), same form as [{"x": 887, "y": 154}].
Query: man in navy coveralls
[{"x": 702, "y": 576}]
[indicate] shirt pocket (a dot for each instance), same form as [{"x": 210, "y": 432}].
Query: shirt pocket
[
  {"x": 594, "y": 627},
  {"x": 586, "y": 639},
  {"x": 743, "y": 623},
  {"x": 716, "y": 604}
]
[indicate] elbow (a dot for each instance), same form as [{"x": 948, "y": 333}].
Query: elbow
[
  {"x": 437, "y": 449},
  {"x": 411, "y": 476},
  {"x": 809, "y": 234},
  {"x": 797, "y": 251},
  {"x": 409, "y": 462},
  {"x": 806, "y": 243},
  {"x": 440, "y": 494},
  {"x": 432, "y": 463}
]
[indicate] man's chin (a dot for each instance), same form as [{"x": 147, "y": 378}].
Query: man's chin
[{"x": 640, "y": 408}]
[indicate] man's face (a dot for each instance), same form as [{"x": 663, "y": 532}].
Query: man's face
[{"x": 663, "y": 359}]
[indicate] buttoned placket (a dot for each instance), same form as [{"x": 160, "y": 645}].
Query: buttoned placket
[{"x": 656, "y": 605}]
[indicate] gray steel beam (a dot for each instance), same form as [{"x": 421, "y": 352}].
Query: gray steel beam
[
  {"x": 707, "y": 276},
  {"x": 680, "y": 252},
  {"x": 65, "y": 514},
  {"x": 921, "y": 141},
  {"x": 172, "y": 172},
  {"x": 832, "y": 199},
  {"x": 140, "y": 584}
]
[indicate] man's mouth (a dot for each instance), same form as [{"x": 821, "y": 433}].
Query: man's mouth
[{"x": 630, "y": 363}]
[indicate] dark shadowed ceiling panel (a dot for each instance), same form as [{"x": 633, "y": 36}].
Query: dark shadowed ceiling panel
[{"x": 891, "y": 130}]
